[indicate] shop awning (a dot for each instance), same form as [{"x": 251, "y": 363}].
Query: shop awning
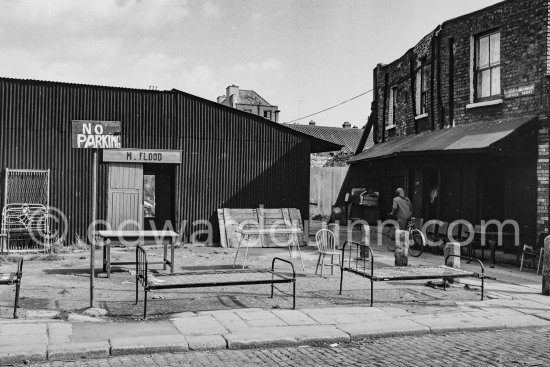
[{"x": 467, "y": 138}]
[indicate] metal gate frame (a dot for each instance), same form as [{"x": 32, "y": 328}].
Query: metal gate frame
[
  {"x": 21, "y": 172},
  {"x": 26, "y": 195}
]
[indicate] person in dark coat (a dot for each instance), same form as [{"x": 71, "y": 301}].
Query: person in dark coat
[{"x": 402, "y": 208}]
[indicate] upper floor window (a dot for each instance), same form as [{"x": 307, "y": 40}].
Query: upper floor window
[
  {"x": 391, "y": 110},
  {"x": 421, "y": 92},
  {"x": 487, "y": 66},
  {"x": 267, "y": 114}
]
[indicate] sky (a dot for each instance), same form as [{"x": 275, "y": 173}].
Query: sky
[{"x": 301, "y": 55}]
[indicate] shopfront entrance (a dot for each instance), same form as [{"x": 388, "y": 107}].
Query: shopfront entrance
[{"x": 141, "y": 188}]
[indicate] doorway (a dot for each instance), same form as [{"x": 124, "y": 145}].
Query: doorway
[
  {"x": 140, "y": 196},
  {"x": 158, "y": 195}
]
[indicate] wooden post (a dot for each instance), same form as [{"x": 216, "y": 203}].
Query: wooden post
[
  {"x": 546, "y": 268},
  {"x": 401, "y": 253},
  {"x": 94, "y": 216}
]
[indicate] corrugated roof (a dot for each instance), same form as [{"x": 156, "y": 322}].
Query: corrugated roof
[
  {"x": 477, "y": 136},
  {"x": 317, "y": 144},
  {"x": 347, "y": 137}
]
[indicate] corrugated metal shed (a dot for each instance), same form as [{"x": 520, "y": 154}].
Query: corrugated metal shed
[
  {"x": 471, "y": 137},
  {"x": 231, "y": 159},
  {"x": 348, "y": 138}
]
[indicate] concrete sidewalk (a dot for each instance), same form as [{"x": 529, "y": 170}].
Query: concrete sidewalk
[{"x": 248, "y": 328}]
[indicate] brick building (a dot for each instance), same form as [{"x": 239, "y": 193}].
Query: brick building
[
  {"x": 460, "y": 120},
  {"x": 249, "y": 101}
]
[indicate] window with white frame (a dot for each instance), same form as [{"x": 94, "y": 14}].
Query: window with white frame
[
  {"x": 421, "y": 91},
  {"x": 487, "y": 66},
  {"x": 267, "y": 114},
  {"x": 390, "y": 122}
]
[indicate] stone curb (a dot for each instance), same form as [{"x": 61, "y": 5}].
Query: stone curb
[
  {"x": 149, "y": 344},
  {"x": 18, "y": 353},
  {"x": 383, "y": 328},
  {"x": 59, "y": 352},
  {"x": 285, "y": 336},
  {"x": 253, "y": 337}
]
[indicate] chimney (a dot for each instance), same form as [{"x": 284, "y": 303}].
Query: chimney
[
  {"x": 232, "y": 91},
  {"x": 312, "y": 123},
  {"x": 346, "y": 125},
  {"x": 220, "y": 99}
]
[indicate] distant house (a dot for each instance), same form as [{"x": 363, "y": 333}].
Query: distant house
[
  {"x": 346, "y": 136},
  {"x": 249, "y": 101}
]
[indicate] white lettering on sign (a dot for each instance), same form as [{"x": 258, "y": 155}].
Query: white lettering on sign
[
  {"x": 97, "y": 141},
  {"x": 142, "y": 156},
  {"x": 96, "y": 134},
  {"x": 519, "y": 91}
]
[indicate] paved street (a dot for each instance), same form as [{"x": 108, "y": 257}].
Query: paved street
[{"x": 523, "y": 347}]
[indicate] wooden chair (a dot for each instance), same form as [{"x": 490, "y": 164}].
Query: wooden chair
[
  {"x": 534, "y": 251},
  {"x": 326, "y": 244}
]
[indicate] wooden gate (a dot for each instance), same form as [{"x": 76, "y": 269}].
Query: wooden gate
[{"x": 125, "y": 196}]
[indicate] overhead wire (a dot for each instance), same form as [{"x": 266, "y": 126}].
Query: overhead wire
[{"x": 329, "y": 108}]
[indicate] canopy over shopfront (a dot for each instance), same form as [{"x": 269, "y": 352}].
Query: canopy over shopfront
[
  {"x": 469, "y": 138},
  {"x": 477, "y": 171}
]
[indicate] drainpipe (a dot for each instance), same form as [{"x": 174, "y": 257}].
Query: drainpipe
[
  {"x": 374, "y": 105},
  {"x": 385, "y": 108},
  {"x": 440, "y": 108},
  {"x": 413, "y": 95},
  {"x": 432, "y": 79},
  {"x": 451, "y": 79}
]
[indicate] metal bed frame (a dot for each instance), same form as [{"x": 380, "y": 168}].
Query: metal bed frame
[
  {"x": 14, "y": 279},
  {"x": 393, "y": 273},
  {"x": 24, "y": 221},
  {"x": 178, "y": 279}
]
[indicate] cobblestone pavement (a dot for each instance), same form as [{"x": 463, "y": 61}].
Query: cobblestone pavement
[{"x": 520, "y": 347}]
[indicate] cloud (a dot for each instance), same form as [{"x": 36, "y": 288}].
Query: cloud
[
  {"x": 267, "y": 65},
  {"x": 256, "y": 17},
  {"x": 271, "y": 64},
  {"x": 84, "y": 17},
  {"x": 211, "y": 9}
]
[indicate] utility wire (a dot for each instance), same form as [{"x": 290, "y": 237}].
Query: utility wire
[{"x": 329, "y": 108}]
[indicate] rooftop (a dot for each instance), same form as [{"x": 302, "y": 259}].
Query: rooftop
[{"x": 347, "y": 137}]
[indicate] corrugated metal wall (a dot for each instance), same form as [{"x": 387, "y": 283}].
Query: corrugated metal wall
[{"x": 230, "y": 159}]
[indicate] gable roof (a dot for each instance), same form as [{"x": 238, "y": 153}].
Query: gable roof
[
  {"x": 249, "y": 97},
  {"x": 348, "y": 138},
  {"x": 317, "y": 144}
]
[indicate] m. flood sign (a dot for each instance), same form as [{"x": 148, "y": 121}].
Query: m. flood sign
[{"x": 96, "y": 134}]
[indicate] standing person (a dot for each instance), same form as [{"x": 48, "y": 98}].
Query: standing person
[{"x": 402, "y": 208}]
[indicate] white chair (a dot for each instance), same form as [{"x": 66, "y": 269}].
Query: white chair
[{"x": 326, "y": 244}]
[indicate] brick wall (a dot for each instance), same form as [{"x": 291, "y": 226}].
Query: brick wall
[
  {"x": 447, "y": 53},
  {"x": 523, "y": 28}
]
